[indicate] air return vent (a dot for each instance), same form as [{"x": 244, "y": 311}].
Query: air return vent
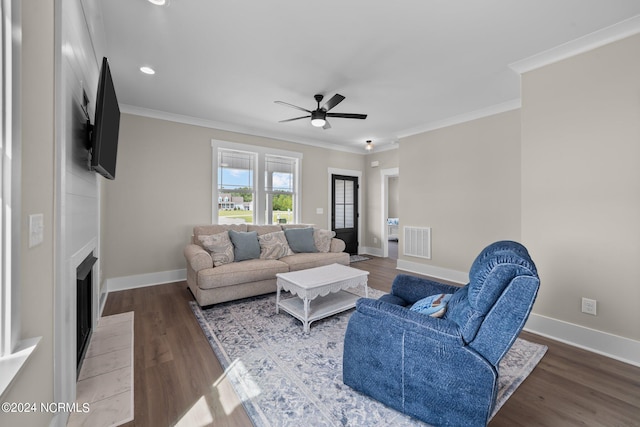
[{"x": 417, "y": 242}]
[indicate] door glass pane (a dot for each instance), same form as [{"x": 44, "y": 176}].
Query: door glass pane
[
  {"x": 348, "y": 192},
  {"x": 348, "y": 216},
  {"x": 339, "y": 196},
  {"x": 339, "y": 216}
]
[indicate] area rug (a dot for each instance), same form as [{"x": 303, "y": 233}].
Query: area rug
[
  {"x": 287, "y": 378},
  {"x": 356, "y": 258}
]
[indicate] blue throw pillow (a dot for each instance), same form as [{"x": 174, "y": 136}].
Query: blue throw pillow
[
  {"x": 301, "y": 239},
  {"x": 433, "y": 305},
  {"x": 245, "y": 245}
]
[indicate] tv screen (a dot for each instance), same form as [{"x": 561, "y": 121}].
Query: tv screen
[{"x": 104, "y": 138}]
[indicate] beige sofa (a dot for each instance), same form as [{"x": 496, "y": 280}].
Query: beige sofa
[{"x": 235, "y": 280}]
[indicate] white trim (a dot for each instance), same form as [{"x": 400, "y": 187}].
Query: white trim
[
  {"x": 210, "y": 124},
  {"x": 614, "y": 346},
  {"x": 260, "y": 153},
  {"x": 385, "y": 174},
  {"x": 491, "y": 110},
  {"x": 144, "y": 280},
  {"x": 365, "y": 250},
  {"x": 599, "y": 38},
  {"x": 12, "y": 364},
  {"x": 434, "y": 271}
]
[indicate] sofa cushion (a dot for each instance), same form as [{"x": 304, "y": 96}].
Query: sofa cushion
[
  {"x": 322, "y": 239},
  {"x": 210, "y": 229},
  {"x": 274, "y": 245},
  {"x": 301, "y": 240},
  {"x": 220, "y": 247},
  {"x": 245, "y": 245},
  {"x": 303, "y": 261},
  {"x": 264, "y": 229},
  {"x": 237, "y": 273}
]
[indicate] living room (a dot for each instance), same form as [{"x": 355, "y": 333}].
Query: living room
[{"x": 555, "y": 170}]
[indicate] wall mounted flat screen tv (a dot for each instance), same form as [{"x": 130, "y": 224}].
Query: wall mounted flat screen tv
[{"x": 104, "y": 136}]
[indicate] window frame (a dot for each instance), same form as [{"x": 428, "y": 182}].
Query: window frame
[{"x": 260, "y": 193}]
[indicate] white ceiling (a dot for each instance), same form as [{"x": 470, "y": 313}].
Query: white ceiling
[{"x": 408, "y": 64}]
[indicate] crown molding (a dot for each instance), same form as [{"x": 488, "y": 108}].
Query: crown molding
[
  {"x": 610, "y": 34},
  {"x": 513, "y": 104},
  {"x": 211, "y": 124}
]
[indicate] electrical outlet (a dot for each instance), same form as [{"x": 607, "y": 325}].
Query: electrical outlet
[
  {"x": 589, "y": 306},
  {"x": 375, "y": 240}
]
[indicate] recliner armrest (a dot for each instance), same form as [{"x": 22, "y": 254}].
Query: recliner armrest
[
  {"x": 402, "y": 319},
  {"x": 412, "y": 289},
  {"x": 197, "y": 257}
]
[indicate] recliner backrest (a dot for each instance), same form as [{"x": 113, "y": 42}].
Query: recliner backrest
[{"x": 495, "y": 269}]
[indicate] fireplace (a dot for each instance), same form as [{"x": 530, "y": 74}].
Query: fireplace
[{"x": 84, "y": 298}]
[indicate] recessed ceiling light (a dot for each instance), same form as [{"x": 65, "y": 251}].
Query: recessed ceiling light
[
  {"x": 148, "y": 70},
  {"x": 158, "y": 2}
]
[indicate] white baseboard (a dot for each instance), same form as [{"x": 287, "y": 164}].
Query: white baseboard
[
  {"x": 613, "y": 346},
  {"x": 434, "y": 271},
  {"x": 142, "y": 280},
  {"x": 365, "y": 250}
]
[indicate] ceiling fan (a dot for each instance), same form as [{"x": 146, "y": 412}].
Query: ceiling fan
[{"x": 320, "y": 114}]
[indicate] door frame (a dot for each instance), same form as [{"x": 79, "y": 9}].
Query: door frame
[
  {"x": 345, "y": 172},
  {"x": 385, "y": 174}
]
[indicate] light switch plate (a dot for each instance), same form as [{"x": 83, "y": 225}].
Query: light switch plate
[
  {"x": 319, "y": 211},
  {"x": 36, "y": 229}
]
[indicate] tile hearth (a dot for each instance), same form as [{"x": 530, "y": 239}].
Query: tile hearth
[{"x": 106, "y": 377}]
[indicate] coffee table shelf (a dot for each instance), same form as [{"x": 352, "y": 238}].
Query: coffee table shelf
[{"x": 326, "y": 286}]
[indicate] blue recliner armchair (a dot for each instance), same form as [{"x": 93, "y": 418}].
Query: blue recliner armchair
[{"x": 443, "y": 371}]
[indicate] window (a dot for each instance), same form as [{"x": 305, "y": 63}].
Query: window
[
  {"x": 255, "y": 184},
  {"x": 13, "y": 353},
  {"x": 280, "y": 189}
]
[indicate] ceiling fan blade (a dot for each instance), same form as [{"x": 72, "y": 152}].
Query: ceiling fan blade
[
  {"x": 296, "y": 118},
  {"x": 292, "y": 106},
  {"x": 347, "y": 115},
  {"x": 335, "y": 100},
  {"x": 326, "y": 125}
]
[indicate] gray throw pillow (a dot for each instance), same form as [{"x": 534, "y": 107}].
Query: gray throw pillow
[
  {"x": 301, "y": 240},
  {"x": 245, "y": 245}
]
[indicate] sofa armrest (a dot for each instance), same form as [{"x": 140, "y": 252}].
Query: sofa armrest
[
  {"x": 197, "y": 257},
  {"x": 337, "y": 245},
  {"x": 412, "y": 288}
]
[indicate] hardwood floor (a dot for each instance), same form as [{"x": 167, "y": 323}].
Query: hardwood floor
[{"x": 179, "y": 381}]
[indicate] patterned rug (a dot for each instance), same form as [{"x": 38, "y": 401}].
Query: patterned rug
[
  {"x": 287, "y": 378},
  {"x": 356, "y": 258}
]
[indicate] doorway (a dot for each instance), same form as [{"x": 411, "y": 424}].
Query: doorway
[
  {"x": 390, "y": 212},
  {"x": 344, "y": 210}
]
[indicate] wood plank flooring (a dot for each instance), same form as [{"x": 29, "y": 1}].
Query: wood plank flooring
[{"x": 179, "y": 381}]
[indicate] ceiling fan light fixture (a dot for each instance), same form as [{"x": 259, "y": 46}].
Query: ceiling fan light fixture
[{"x": 317, "y": 118}]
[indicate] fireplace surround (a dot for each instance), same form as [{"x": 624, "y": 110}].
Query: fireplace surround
[{"x": 84, "y": 304}]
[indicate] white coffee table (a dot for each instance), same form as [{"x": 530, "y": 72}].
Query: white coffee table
[{"x": 329, "y": 282}]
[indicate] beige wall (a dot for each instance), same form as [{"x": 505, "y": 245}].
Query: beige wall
[
  {"x": 581, "y": 185},
  {"x": 163, "y": 188},
  {"x": 463, "y": 181},
  {"x": 35, "y": 382}
]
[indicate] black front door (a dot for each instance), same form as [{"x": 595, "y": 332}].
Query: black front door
[{"x": 344, "y": 210}]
